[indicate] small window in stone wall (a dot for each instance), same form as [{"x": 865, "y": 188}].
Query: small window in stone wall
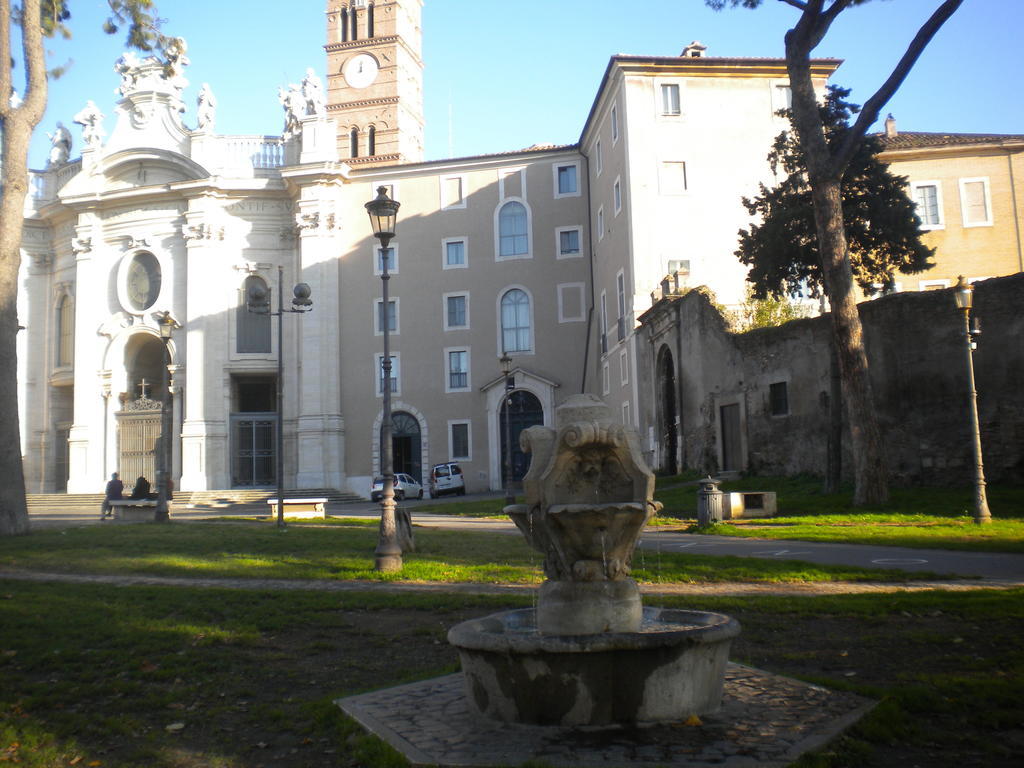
[{"x": 778, "y": 398}]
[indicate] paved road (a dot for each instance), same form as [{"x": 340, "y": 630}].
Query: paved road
[{"x": 994, "y": 566}]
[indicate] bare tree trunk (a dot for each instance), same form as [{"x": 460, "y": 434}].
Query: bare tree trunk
[{"x": 18, "y": 124}]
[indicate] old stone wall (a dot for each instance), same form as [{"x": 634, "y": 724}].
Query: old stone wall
[{"x": 918, "y": 366}]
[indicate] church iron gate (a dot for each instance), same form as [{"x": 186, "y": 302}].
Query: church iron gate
[{"x": 138, "y": 432}]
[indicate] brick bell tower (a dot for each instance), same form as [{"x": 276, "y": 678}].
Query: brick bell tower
[{"x": 375, "y": 80}]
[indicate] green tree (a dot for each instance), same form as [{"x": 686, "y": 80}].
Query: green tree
[
  {"x": 765, "y": 312},
  {"x": 826, "y": 166},
  {"x": 883, "y": 232},
  {"x": 21, "y": 109}
]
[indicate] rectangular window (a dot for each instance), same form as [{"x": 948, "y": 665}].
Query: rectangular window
[
  {"x": 615, "y": 123},
  {"x": 778, "y": 397},
  {"x": 568, "y": 242},
  {"x": 975, "y": 202},
  {"x": 392, "y": 257},
  {"x": 598, "y": 158},
  {"x": 604, "y": 325},
  {"x": 625, "y": 412},
  {"x": 454, "y": 252},
  {"x": 458, "y": 370},
  {"x": 458, "y": 440},
  {"x": 620, "y": 290},
  {"x": 928, "y": 198},
  {"x": 566, "y": 180},
  {"x": 670, "y": 99},
  {"x": 600, "y": 223},
  {"x": 782, "y": 97},
  {"x": 453, "y": 192},
  {"x": 617, "y": 196},
  {"x": 456, "y": 313},
  {"x": 392, "y": 316},
  {"x": 606, "y": 378},
  {"x": 672, "y": 177},
  {"x": 624, "y": 367},
  {"x": 394, "y": 374}
]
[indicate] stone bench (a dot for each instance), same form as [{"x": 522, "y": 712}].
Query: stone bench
[
  {"x": 298, "y": 509},
  {"x": 747, "y": 504},
  {"x": 134, "y": 510}
]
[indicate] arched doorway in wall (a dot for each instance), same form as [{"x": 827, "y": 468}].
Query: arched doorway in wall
[
  {"x": 406, "y": 445},
  {"x": 138, "y": 421},
  {"x": 524, "y": 411},
  {"x": 668, "y": 413}
]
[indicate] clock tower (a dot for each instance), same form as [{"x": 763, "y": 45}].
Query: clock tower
[{"x": 375, "y": 80}]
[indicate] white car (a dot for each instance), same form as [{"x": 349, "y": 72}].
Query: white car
[{"x": 405, "y": 487}]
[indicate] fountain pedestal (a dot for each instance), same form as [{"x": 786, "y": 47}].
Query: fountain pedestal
[{"x": 590, "y": 654}]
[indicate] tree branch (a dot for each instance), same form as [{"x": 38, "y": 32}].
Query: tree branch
[
  {"x": 34, "y": 100},
  {"x": 800, "y": 4},
  {"x": 5, "y": 57},
  {"x": 873, "y": 106}
]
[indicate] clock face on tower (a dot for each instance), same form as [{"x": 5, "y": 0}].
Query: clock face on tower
[{"x": 361, "y": 70}]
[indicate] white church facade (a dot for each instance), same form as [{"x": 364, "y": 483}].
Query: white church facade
[{"x": 547, "y": 254}]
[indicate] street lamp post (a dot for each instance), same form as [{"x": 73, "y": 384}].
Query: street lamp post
[
  {"x": 167, "y": 324},
  {"x": 964, "y": 295},
  {"x": 258, "y": 301},
  {"x": 506, "y": 369},
  {"x": 383, "y": 212}
]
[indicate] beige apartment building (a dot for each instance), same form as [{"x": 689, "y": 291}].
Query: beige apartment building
[
  {"x": 548, "y": 254},
  {"x": 969, "y": 190}
]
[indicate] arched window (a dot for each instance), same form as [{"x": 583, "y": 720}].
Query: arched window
[
  {"x": 343, "y": 25},
  {"x": 371, "y": 142},
  {"x": 353, "y": 141},
  {"x": 513, "y": 239},
  {"x": 65, "y": 331},
  {"x": 515, "y": 321},
  {"x": 353, "y": 25},
  {"x": 369, "y": 23},
  {"x": 252, "y": 331}
]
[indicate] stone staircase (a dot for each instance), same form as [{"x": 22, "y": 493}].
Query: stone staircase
[{"x": 253, "y": 500}]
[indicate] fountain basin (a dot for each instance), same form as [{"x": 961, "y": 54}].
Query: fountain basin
[{"x": 671, "y": 669}]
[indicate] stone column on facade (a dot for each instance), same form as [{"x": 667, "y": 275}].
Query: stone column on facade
[
  {"x": 204, "y": 431},
  {"x": 320, "y": 428},
  {"x": 85, "y": 440}
]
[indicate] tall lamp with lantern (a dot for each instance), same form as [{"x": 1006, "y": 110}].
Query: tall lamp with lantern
[{"x": 964, "y": 295}]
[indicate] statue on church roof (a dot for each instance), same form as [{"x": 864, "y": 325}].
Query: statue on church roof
[
  {"x": 206, "y": 107},
  {"x": 313, "y": 92},
  {"x": 60, "y": 145},
  {"x": 91, "y": 120},
  {"x": 294, "y": 104}
]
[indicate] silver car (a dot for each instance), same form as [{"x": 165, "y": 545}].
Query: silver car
[{"x": 405, "y": 487}]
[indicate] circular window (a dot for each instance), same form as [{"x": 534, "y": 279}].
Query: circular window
[{"x": 142, "y": 282}]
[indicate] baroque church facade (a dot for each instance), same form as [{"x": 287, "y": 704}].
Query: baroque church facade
[{"x": 548, "y": 254}]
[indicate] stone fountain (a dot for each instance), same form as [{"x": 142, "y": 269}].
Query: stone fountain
[{"x": 590, "y": 654}]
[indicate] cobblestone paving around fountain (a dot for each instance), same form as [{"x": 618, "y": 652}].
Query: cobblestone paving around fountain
[{"x": 766, "y": 721}]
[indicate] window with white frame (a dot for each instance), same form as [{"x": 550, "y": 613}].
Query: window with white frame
[
  {"x": 600, "y": 223},
  {"x": 927, "y": 197},
  {"x": 392, "y": 316},
  {"x": 615, "y": 123},
  {"x": 604, "y": 323},
  {"x": 453, "y": 192},
  {"x": 392, "y": 257},
  {"x": 672, "y": 177},
  {"x": 395, "y": 374},
  {"x": 566, "y": 179},
  {"x": 571, "y": 305},
  {"x": 513, "y": 231},
  {"x": 617, "y": 195},
  {"x": 625, "y": 412},
  {"x": 568, "y": 242},
  {"x": 975, "y": 202},
  {"x": 598, "y": 158},
  {"x": 453, "y": 253},
  {"x": 459, "y": 446},
  {"x": 456, "y": 311},
  {"x": 65, "y": 356},
  {"x": 606, "y": 378},
  {"x": 624, "y": 367},
  {"x": 670, "y": 98},
  {"x": 516, "y": 330},
  {"x": 456, "y": 370},
  {"x": 620, "y": 292},
  {"x": 932, "y": 285}
]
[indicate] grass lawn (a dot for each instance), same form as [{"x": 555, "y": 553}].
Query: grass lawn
[
  {"x": 163, "y": 677},
  {"x": 344, "y": 551},
  {"x": 915, "y": 517}
]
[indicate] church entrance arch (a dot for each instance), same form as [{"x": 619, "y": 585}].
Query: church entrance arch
[
  {"x": 139, "y": 420},
  {"x": 524, "y": 411},
  {"x": 668, "y": 416},
  {"x": 406, "y": 444}
]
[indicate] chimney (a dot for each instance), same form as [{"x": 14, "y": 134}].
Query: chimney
[
  {"x": 694, "y": 50},
  {"x": 890, "y": 127}
]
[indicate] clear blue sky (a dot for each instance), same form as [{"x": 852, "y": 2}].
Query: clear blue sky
[{"x": 501, "y": 76}]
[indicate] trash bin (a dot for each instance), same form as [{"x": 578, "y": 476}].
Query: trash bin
[{"x": 709, "y": 502}]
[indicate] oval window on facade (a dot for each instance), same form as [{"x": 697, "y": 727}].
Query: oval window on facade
[{"x": 143, "y": 281}]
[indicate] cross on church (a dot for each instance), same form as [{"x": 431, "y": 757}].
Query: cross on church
[{"x": 142, "y": 388}]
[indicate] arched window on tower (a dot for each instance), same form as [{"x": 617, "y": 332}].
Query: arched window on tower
[
  {"x": 252, "y": 329},
  {"x": 371, "y": 142},
  {"x": 369, "y": 21},
  {"x": 353, "y": 142},
  {"x": 65, "y": 352},
  {"x": 353, "y": 26},
  {"x": 515, "y": 321},
  {"x": 512, "y": 230},
  {"x": 343, "y": 25}
]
